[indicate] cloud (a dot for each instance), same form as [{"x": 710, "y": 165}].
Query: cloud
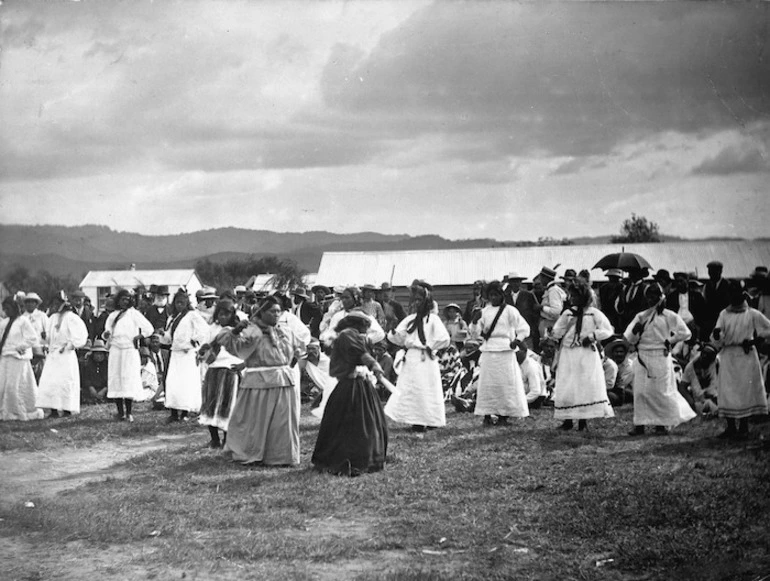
[
  {"x": 735, "y": 159},
  {"x": 564, "y": 78}
]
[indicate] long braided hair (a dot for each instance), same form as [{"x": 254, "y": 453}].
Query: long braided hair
[
  {"x": 580, "y": 297},
  {"x": 423, "y": 304}
]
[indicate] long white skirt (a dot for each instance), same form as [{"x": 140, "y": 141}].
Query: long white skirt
[
  {"x": 183, "y": 382},
  {"x": 419, "y": 396},
  {"x": 740, "y": 390},
  {"x": 501, "y": 389},
  {"x": 657, "y": 401},
  {"x": 18, "y": 390},
  {"x": 60, "y": 382},
  {"x": 124, "y": 374},
  {"x": 580, "y": 392}
]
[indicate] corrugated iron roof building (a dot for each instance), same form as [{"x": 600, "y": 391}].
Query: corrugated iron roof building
[{"x": 458, "y": 268}]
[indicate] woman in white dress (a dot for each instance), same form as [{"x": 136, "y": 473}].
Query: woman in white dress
[
  {"x": 501, "y": 329},
  {"x": 654, "y": 331},
  {"x": 580, "y": 391},
  {"x": 60, "y": 381},
  {"x": 123, "y": 331},
  {"x": 185, "y": 332},
  {"x": 18, "y": 388},
  {"x": 740, "y": 389},
  {"x": 419, "y": 396}
]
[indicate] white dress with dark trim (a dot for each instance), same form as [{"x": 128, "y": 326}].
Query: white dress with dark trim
[{"x": 580, "y": 390}]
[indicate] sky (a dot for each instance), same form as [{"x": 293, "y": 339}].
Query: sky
[{"x": 509, "y": 120}]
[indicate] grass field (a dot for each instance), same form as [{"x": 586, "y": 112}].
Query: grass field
[{"x": 465, "y": 502}]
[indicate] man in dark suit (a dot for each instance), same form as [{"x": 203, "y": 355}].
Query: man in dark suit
[
  {"x": 302, "y": 307},
  {"x": 611, "y": 298},
  {"x": 84, "y": 311},
  {"x": 529, "y": 307},
  {"x": 633, "y": 296},
  {"x": 688, "y": 303},
  {"x": 716, "y": 294},
  {"x": 159, "y": 312}
]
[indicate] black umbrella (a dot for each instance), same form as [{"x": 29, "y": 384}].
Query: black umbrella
[{"x": 623, "y": 261}]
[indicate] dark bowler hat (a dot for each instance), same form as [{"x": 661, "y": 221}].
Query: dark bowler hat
[
  {"x": 715, "y": 264},
  {"x": 662, "y": 276}
]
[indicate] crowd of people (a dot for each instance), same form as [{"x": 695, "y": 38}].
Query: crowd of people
[{"x": 244, "y": 362}]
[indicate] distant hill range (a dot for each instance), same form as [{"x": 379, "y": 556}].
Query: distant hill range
[{"x": 75, "y": 250}]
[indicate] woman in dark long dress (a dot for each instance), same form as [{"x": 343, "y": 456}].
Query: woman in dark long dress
[{"x": 353, "y": 437}]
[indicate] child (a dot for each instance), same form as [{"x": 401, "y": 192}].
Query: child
[
  {"x": 220, "y": 386},
  {"x": 457, "y": 328},
  {"x": 741, "y": 393},
  {"x": 654, "y": 331},
  {"x": 95, "y": 373}
]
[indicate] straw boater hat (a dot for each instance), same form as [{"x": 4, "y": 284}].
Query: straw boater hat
[
  {"x": 99, "y": 346},
  {"x": 615, "y": 272},
  {"x": 33, "y": 296},
  {"x": 369, "y": 287},
  {"x": 515, "y": 276}
]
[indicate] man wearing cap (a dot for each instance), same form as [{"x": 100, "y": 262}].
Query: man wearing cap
[
  {"x": 687, "y": 303},
  {"x": 527, "y": 304},
  {"x": 39, "y": 321},
  {"x": 553, "y": 301},
  {"x": 611, "y": 298},
  {"x": 370, "y": 306},
  {"x": 206, "y": 298},
  {"x": 394, "y": 311},
  {"x": 717, "y": 295}
]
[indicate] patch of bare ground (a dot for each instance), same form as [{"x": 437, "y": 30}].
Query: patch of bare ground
[{"x": 43, "y": 473}]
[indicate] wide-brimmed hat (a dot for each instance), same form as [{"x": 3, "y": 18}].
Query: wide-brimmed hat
[
  {"x": 662, "y": 276},
  {"x": 615, "y": 272},
  {"x": 453, "y": 306},
  {"x": 77, "y": 294},
  {"x": 99, "y": 346},
  {"x": 515, "y": 276},
  {"x": 616, "y": 341},
  {"x": 300, "y": 291},
  {"x": 33, "y": 296},
  {"x": 370, "y": 287},
  {"x": 325, "y": 289},
  {"x": 548, "y": 272},
  {"x": 339, "y": 289}
]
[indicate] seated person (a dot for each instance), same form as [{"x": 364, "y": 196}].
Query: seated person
[
  {"x": 534, "y": 380},
  {"x": 315, "y": 361},
  {"x": 93, "y": 380},
  {"x": 616, "y": 349},
  {"x": 451, "y": 367},
  {"x": 548, "y": 365},
  {"x": 150, "y": 383},
  {"x": 699, "y": 385}
]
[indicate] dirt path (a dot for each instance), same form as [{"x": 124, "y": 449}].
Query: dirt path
[{"x": 27, "y": 475}]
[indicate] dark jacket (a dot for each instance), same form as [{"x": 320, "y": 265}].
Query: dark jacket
[{"x": 697, "y": 305}]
